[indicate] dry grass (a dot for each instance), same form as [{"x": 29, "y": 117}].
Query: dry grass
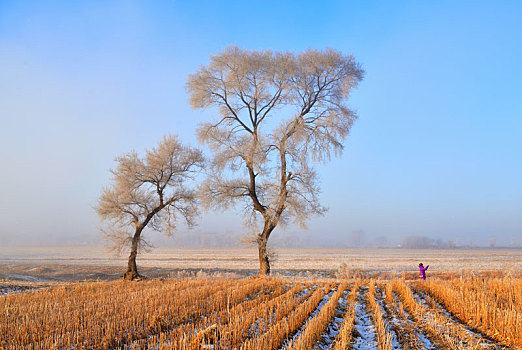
[
  {"x": 406, "y": 329},
  {"x": 344, "y": 337},
  {"x": 253, "y": 313},
  {"x": 108, "y": 314},
  {"x": 494, "y": 306},
  {"x": 274, "y": 337},
  {"x": 384, "y": 337},
  {"x": 445, "y": 331},
  {"x": 316, "y": 326}
]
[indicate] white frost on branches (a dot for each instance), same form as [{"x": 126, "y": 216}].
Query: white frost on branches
[{"x": 150, "y": 192}]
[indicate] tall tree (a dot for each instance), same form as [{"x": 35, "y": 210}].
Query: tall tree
[
  {"x": 278, "y": 114},
  {"x": 149, "y": 192}
]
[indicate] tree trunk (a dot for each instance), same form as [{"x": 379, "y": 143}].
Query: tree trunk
[
  {"x": 264, "y": 263},
  {"x": 132, "y": 269},
  {"x": 262, "y": 241}
]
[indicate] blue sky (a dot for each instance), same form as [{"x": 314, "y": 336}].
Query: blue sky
[{"x": 436, "y": 150}]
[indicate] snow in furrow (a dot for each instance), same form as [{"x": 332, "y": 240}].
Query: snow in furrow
[
  {"x": 421, "y": 337},
  {"x": 131, "y": 345},
  {"x": 14, "y": 289},
  {"x": 387, "y": 318},
  {"x": 367, "y": 337},
  {"x": 333, "y": 328},
  {"x": 255, "y": 327},
  {"x": 312, "y": 315},
  {"x": 420, "y": 297}
]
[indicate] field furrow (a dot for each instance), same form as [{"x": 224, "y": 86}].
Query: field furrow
[
  {"x": 332, "y": 329},
  {"x": 265, "y": 313},
  {"x": 409, "y": 334},
  {"x": 246, "y": 322},
  {"x": 448, "y": 334},
  {"x": 345, "y": 335},
  {"x": 366, "y": 333},
  {"x": 484, "y": 305},
  {"x": 275, "y": 336},
  {"x": 106, "y": 314},
  {"x": 311, "y": 332},
  {"x": 456, "y": 332},
  {"x": 200, "y": 330},
  {"x": 386, "y": 336}
]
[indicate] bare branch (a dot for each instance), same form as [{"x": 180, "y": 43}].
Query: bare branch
[
  {"x": 304, "y": 97},
  {"x": 149, "y": 192}
]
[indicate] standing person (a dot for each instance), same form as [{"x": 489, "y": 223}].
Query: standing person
[{"x": 423, "y": 271}]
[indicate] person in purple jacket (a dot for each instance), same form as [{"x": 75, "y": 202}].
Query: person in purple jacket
[{"x": 423, "y": 271}]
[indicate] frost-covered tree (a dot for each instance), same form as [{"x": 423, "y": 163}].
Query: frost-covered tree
[
  {"x": 278, "y": 113},
  {"x": 149, "y": 192}
]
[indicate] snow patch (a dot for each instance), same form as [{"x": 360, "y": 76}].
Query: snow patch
[
  {"x": 325, "y": 299},
  {"x": 333, "y": 328},
  {"x": 367, "y": 334}
]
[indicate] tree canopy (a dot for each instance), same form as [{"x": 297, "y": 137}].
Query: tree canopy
[
  {"x": 149, "y": 192},
  {"x": 278, "y": 113}
]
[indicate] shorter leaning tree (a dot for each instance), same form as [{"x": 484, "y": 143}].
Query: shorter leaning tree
[{"x": 149, "y": 192}]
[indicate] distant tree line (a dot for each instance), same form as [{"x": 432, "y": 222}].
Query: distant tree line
[{"x": 425, "y": 242}]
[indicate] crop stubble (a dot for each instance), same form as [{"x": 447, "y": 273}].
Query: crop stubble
[{"x": 264, "y": 313}]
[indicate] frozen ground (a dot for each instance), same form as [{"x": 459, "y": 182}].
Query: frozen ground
[
  {"x": 366, "y": 338},
  {"x": 333, "y": 328},
  {"x": 386, "y": 317},
  {"x": 409, "y": 332},
  {"x": 295, "y": 336},
  {"x": 78, "y": 263}
]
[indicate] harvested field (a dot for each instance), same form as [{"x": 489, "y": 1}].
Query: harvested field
[
  {"x": 265, "y": 313},
  {"x": 93, "y": 263}
]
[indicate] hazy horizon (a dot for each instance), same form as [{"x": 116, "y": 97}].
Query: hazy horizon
[{"x": 436, "y": 151}]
